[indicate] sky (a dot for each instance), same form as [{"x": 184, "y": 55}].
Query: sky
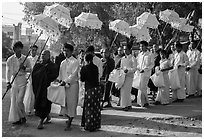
[{"x": 12, "y": 13}]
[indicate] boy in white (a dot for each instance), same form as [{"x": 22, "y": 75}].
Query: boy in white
[
  {"x": 29, "y": 98},
  {"x": 180, "y": 61},
  {"x": 145, "y": 63},
  {"x": 14, "y": 63},
  {"x": 192, "y": 69},
  {"x": 68, "y": 75},
  {"x": 128, "y": 64}
]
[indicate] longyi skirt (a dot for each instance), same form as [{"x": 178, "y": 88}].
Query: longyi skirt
[{"x": 91, "y": 116}]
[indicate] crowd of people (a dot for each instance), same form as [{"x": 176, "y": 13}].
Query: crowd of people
[{"x": 87, "y": 76}]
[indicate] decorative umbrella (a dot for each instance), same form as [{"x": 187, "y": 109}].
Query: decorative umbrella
[
  {"x": 88, "y": 20},
  {"x": 44, "y": 23},
  {"x": 140, "y": 32},
  {"x": 169, "y": 16},
  {"x": 59, "y": 13},
  {"x": 120, "y": 26},
  {"x": 181, "y": 25},
  {"x": 148, "y": 20}
]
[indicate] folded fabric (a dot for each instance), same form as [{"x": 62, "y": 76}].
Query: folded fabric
[
  {"x": 113, "y": 76},
  {"x": 174, "y": 79},
  {"x": 158, "y": 79},
  {"x": 56, "y": 94}
]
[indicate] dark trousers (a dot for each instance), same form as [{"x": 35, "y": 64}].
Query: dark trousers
[{"x": 106, "y": 91}]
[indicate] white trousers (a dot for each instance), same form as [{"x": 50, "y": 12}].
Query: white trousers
[
  {"x": 71, "y": 97},
  {"x": 142, "y": 97},
  {"x": 125, "y": 92},
  {"x": 17, "y": 109},
  {"x": 192, "y": 81},
  {"x": 180, "y": 93},
  {"x": 29, "y": 98}
]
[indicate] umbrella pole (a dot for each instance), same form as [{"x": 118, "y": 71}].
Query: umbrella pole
[
  {"x": 7, "y": 89},
  {"x": 38, "y": 57},
  {"x": 164, "y": 29},
  {"x": 160, "y": 38},
  {"x": 113, "y": 41},
  {"x": 198, "y": 43}
]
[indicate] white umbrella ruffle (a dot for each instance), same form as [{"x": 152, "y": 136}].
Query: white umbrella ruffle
[
  {"x": 148, "y": 20},
  {"x": 59, "y": 13},
  {"x": 88, "y": 20}
]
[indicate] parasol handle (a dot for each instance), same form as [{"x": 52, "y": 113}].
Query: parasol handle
[
  {"x": 164, "y": 29},
  {"x": 160, "y": 38},
  {"x": 198, "y": 43},
  {"x": 22, "y": 63},
  {"x": 38, "y": 57},
  {"x": 113, "y": 41}
]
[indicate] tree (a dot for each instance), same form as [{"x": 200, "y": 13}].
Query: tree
[{"x": 6, "y": 46}]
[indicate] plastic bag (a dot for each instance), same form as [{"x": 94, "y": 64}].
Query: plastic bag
[
  {"x": 158, "y": 79},
  {"x": 174, "y": 79},
  {"x": 113, "y": 76},
  {"x": 56, "y": 94},
  {"x": 137, "y": 80},
  {"x": 120, "y": 79}
]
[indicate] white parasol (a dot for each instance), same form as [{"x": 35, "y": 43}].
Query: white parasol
[
  {"x": 88, "y": 20},
  {"x": 148, "y": 20},
  {"x": 182, "y": 26},
  {"x": 140, "y": 32},
  {"x": 120, "y": 26},
  {"x": 59, "y": 13},
  {"x": 44, "y": 23},
  {"x": 169, "y": 16}
]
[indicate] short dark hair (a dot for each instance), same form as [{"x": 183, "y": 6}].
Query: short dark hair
[
  {"x": 34, "y": 46},
  {"x": 178, "y": 45},
  {"x": 129, "y": 46},
  {"x": 90, "y": 49},
  {"x": 144, "y": 43},
  {"x": 18, "y": 44},
  {"x": 81, "y": 51},
  {"x": 89, "y": 57},
  {"x": 69, "y": 46}
]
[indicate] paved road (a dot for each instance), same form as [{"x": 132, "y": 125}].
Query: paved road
[{"x": 117, "y": 123}]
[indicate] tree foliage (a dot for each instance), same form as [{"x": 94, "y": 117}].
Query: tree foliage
[
  {"x": 6, "y": 45},
  {"x": 109, "y": 11}
]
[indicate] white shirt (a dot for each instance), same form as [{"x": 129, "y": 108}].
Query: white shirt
[
  {"x": 194, "y": 58},
  {"x": 180, "y": 59},
  {"x": 145, "y": 61},
  {"x": 97, "y": 61},
  {"x": 32, "y": 60},
  {"x": 171, "y": 57},
  {"x": 69, "y": 70},
  {"x": 129, "y": 63},
  {"x": 13, "y": 65}
]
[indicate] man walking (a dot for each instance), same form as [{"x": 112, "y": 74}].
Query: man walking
[
  {"x": 192, "y": 69},
  {"x": 108, "y": 66},
  {"x": 145, "y": 63},
  {"x": 14, "y": 63},
  {"x": 43, "y": 74},
  {"x": 68, "y": 76},
  {"x": 180, "y": 61},
  {"x": 128, "y": 64}
]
